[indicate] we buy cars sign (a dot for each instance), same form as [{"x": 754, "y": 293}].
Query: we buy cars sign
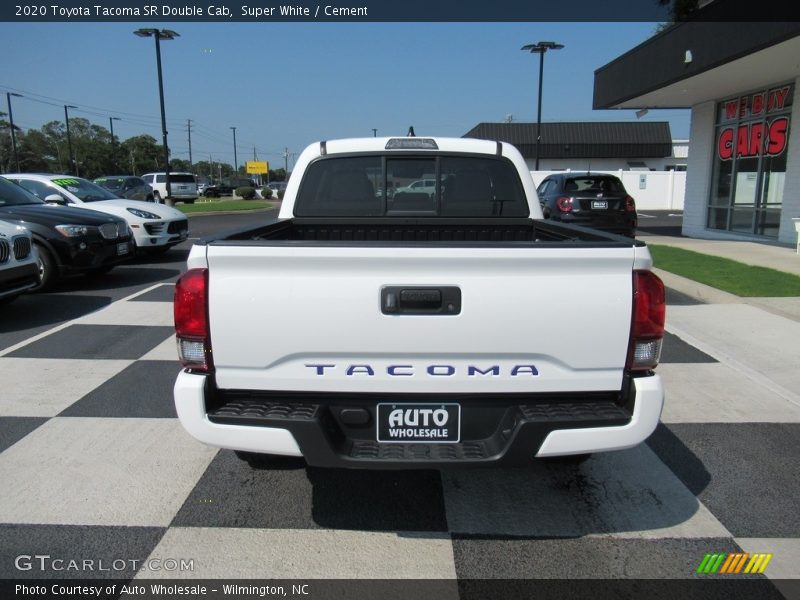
[{"x": 765, "y": 136}]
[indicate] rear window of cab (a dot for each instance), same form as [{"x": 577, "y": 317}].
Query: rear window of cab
[{"x": 389, "y": 185}]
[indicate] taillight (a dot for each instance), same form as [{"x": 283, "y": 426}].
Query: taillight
[
  {"x": 564, "y": 203},
  {"x": 647, "y": 323},
  {"x": 630, "y": 204},
  {"x": 191, "y": 320}
]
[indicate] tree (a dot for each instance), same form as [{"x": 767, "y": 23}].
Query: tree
[
  {"x": 277, "y": 175},
  {"x": 680, "y": 10},
  {"x": 142, "y": 154},
  {"x": 178, "y": 164},
  {"x": 215, "y": 171}
]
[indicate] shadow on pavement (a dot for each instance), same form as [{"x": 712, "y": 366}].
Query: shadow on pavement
[{"x": 37, "y": 310}]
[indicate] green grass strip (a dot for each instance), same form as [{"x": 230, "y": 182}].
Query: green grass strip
[
  {"x": 703, "y": 564},
  {"x": 222, "y": 206},
  {"x": 725, "y": 274}
]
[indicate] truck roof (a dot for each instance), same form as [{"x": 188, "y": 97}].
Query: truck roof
[{"x": 379, "y": 144}]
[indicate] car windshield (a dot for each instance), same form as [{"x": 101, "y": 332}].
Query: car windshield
[
  {"x": 13, "y": 195},
  {"x": 110, "y": 183},
  {"x": 83, "y": 189}
]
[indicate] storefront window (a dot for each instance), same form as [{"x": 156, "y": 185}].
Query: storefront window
[{"x": 752, "y": 135}]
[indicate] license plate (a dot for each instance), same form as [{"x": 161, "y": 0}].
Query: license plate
[
  {"x": 419, "y": 423},
  {"x": 122, "y": 248},
  {"x": 600, "y": 204}
]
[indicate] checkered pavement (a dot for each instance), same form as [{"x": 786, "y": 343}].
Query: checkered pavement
[{"x": 93, "y": 462}]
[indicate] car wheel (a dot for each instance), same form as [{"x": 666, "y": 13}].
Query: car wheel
[{"x": 48, "y": 271}]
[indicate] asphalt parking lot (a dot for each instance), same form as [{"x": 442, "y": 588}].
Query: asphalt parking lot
[{"x": 95, "y": 465}]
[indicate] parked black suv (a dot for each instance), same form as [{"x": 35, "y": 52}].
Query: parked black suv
[
  {"x": 69, "y": 240},
  {"x": 226, "y": 187},
  {"x": 595, "y": 200}
]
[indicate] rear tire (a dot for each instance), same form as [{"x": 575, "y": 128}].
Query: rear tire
[{"x": 48, "y": 270}]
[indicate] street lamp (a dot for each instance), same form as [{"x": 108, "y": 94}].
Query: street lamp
[
  {"x": 235, "y": 160},
  {"x": 72, "y": 166},
  {"x": 11, "y": 123},
  {"x": 113, "y": 145},
  {"x": 161, "y": 34},
  {"x": 540, "y": 48}
]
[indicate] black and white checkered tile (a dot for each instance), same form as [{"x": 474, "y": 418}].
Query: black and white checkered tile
[{"x": 93, "y": 462}]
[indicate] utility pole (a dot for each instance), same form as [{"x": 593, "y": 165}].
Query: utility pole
[
  {"x": 11, "y": 122},
  {"x": 72, "y": 166},
  {"x": 286, "y": 161},
  {"x": 113, "y": 143},
  {"x": 235, "y": 159},
  {"x": 189, "y": 129}
]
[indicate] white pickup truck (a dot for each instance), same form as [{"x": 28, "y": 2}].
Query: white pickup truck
[{"x": 458, "y": 329}]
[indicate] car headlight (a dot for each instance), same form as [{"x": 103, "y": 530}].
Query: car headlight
[
  {"x": 142, "y": 214},
  {"x": 74, "y": 230}
]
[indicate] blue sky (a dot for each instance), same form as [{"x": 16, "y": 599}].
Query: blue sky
[{"x": 290, "y": 84}]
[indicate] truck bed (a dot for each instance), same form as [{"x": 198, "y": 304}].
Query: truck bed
[{"x": 439, "y": 231}]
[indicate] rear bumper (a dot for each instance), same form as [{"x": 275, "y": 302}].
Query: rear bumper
[
  {"x": 622, "y": 223},
  {"x": 500, "y": 431}
]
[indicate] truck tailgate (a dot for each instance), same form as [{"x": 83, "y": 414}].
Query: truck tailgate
[{"x": 309, "y": 318}]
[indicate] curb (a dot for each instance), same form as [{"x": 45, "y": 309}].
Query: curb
[
  {"x": 229, "y": 212},
  {"x": 710, "y": 295}
]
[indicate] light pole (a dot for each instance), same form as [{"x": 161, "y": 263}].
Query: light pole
[
  {"x": 11, "y": 123},
  {"x": 374, "y": 132},
  {"x": 161, "y": 34},
  {"x": 113, "y": 145},
  {"x": 540, "y": 48},
  {"x": 72, "y": 166},
  {"x": 235, "y": 160}
]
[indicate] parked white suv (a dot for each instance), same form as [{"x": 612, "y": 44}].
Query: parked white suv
[
  {"x": 19, "y": 271},
  {"x": 183, "y": 186},
  {"x": 155, "y": 228}
]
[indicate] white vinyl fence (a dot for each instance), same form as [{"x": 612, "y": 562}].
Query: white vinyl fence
[{"x": 652, "y": 190}]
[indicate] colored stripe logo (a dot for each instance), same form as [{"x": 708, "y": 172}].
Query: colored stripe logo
[{"x": 733, "y": 563}]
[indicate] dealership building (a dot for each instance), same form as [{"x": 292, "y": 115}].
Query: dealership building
[{"x": 740, "y": 81}]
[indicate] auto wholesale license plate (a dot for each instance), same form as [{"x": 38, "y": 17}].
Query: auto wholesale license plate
[
  {"x": 600, "y": 204},
  {"x": 419, "y": 423},
  {"x": 122, "y": 248}
]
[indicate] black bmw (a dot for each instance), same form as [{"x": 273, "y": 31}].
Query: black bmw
[
  {"x": 68, "y": 240},
  {"x": 594, "y": 200}
]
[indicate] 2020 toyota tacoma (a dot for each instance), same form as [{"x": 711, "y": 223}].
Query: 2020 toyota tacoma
[{"x": 364, "y": 329}]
